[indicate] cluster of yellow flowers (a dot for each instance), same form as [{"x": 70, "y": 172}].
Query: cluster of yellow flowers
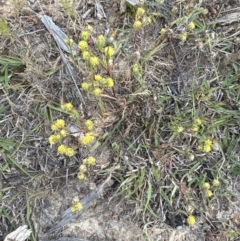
[
  {"x": 206, "y": 146},
  {"x": 83, "y": 167},
  {"x": 96, "y": 83},
  {"x": 183, "y": 36},
  {"x": 76, "y": 205},
  {"x": 87, "y": 139},
  {"x": 194, "y": 126},
  {"x": 207, "y": 187},
  {"x": 140, "y": 19},
  {"x": 61, "y": 131}
]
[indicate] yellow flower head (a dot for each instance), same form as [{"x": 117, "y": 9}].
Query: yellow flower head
[
  {"x": 91, "y": 160},
  {"x": 163, "y": 31},
  {"x": 62, "y": 149},
  {"x": 208, "y": 142},
  {"x": 110, "y": 82},
  {"x": 191, "y": 220},
  {"x": 53, "y": 139},
  {"x": 68, "y": 106},
  {"x": 135, "y": 69},
  {"x": 147, "y": 20},
  {"x": 76, "y": 207},
  {"x": 183, "y": 37},
  {"x": 89, "y": 28},
  {"x": 87, "y": 139},
  {"x": 137, "y": 24},
  {"x": 98, "y": 77},
  {"x": 86, "y": 55},
  {"x": 83, "y": 45},
  {"x": 54, "y": 127},
  {"x": 69, "y": 152},
  {"x": 200, "y": 147},
  {"x": 83, "y": 168},
  {"x": 68, "y": 42},
  {"x": 85, "y": 86},
  {"x": 100, "y": 43},
  {"x": 94, "y": 61},
  {"x": 63, "y": 133},
  {"x": 89, "y": 125},
  {"x": 209, "y": 193},
  {"x": 109, "y": 51},
  {"x": 215, "y": 183},
  {"x": 180, "y": 129},
  {"x": 206, "y": 186},
  {"x": 60, "y": 123},
  {"x": 97, "y": 92},
  {"x": 206, "y": 148},
  {"x": 191, "y": 26},
  {"x": 85, "y": 35},
  {"x": 140, "y": 12},
  {"x": 195, "y": 128},
  {"x": 198, "y": 121},
  {"x": 80, "y": 175}
]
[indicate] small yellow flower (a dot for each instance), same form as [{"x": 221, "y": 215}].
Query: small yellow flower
[
  {"x": 195, "y": 128},
  {"x": 209, "y": 193},
  {"x": 191, "y": 26},
  {"x": 135, "y": 69},
  {"x": 191, "y": 220},
  {"x": 208, "y": 142},
  {"x": 198, "y": 121},
  {"x": 81, "y": 175},
  {"x": 97, "y": 92},
  {"x": 183, "y": 37},
  {"x": 68, "y": 42},
  {"x": 98, "y": 77},
  {"x": 109, "y": 51},
  {"x": 54, "y": 127},
  {"x": 53, "y": 139},
  {"x": 94, "y": 61},
  {"x": 89, "y": 28},
  {"x": 85, "y": 86},
  {"x": 206, "y": 148},
  {"x": 69, "y": 152},
  {"x": 68, "y": 106},
  {"x": 91, "y": 160},
  {"x": 215, "y": 183},
  {"x": 206, "y": 185},
  {"x": 63, "y": 133},
  {"x": 163, "y": 31},
  {"x": 60, "y": 123},
  {"x": 85, "y": 35},
  {"x": 180, "y": 129},
  {"x": 147, "y": 21},
  {"x": 83, "y": 168},
  {"x": 87, "y": 139},
  {"x": 89, "y": 125},
  {"x": 140, "y": 12},
  {"x": 101, "y": 39},
  {"x": 76, "y": 207},
  {"x": 62, "y": 149},
  {"x": 200, "y": 147},
  {"x": 110, "y": 82},
  {"x": 83, "y": 45},
  {"x": 86, "y": 55},
  {"x": 137, "y": 24}
]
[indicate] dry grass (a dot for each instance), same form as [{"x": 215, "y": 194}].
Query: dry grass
[{"x": 157, "y": 168}]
